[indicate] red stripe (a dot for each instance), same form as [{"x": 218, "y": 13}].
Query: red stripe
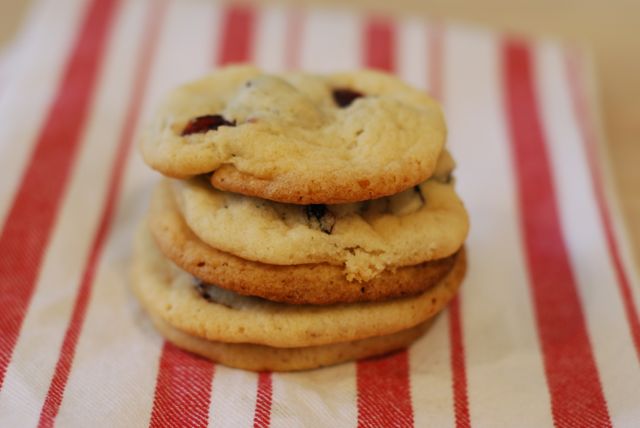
[
  {"x": 384, "y": 390},
  {"x": 379, "y": 44},
  {"x": 238, "y": 26},
  {"x": 175, "y": 402},
  {"x": 574, "y": 384},
  {"x": 67, "y": 352},
  {"x": 384, "y": 393},
  {"x": 183, "y": 390},
  {"x": 30, "y": 220},
  {"x": 458, "y": 369},
  {"x": 582, "y": 113},
  {"x": 262, "y": 416}
]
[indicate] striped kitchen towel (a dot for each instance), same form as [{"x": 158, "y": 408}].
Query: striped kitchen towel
[{"x": 545, "y": 331}]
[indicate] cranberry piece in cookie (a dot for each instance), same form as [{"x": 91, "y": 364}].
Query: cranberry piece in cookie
[
  {"x": 202, "y": 124},
  {"x": 344, "y": 96}
]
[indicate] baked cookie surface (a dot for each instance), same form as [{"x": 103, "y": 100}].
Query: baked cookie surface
[
  {"x": 298, "y": 138},
  {"x": 248, "y": 356},
  {"x": 427, "y": 222},
  {"x": 319, "y": 283},
  {"x": 216, "y": 314}
]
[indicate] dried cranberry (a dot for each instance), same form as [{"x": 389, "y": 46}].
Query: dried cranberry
[
  {"x": 202, "y": 124},
  {"x": 344, "y": 97}
]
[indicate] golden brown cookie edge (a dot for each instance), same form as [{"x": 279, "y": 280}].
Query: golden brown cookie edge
[
  {"x": 262, "y": 358},
  {"x": 320, "y": 283},
  {"x": 322, "y": 190},
  {"x": 283, "y": 325}
]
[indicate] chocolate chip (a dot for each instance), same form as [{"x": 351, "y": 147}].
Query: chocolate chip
[
  {"x": 419, "y": 192},
  {"x": 206, "y": 177},
  {"x": 202, "y": 289},
  {"x": 202, "y": 124},
  {"x": 327, "y": 223},
  {"x": 344, "y": 96},
  {"x": 315, "y": 210},
  {"x": 325, "y": 218}
]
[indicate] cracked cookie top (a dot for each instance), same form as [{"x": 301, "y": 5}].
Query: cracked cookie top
[
  {"x": 423, "y": 223},
  {"x": 298, "y": 138}
]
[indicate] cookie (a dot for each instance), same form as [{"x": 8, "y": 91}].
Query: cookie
[
  {"x": 260, "y": 358},
  {"x": 216, "y": 314},
  {"x": 424, "y": 223},
  {"x": 297, "y": 137},
  {"x": 319, "y": 283}
]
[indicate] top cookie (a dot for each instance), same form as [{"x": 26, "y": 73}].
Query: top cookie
[{"x": 298, "y": 138}]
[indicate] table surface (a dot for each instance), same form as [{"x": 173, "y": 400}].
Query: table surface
[{"x": 609, "y": 28}]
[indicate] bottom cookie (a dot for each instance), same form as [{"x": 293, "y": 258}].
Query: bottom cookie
[{"x": 260, "y": 357}]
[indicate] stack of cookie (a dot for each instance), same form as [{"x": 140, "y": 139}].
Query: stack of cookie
[{"x": 307, "y": 220}]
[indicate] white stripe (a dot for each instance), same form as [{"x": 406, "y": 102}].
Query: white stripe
[
  {"x": 322, "y": 398},
  {"x": 506, "y": 381},
  {"x": 597, "y": 284},
  {"x": 26, "y": 100},
  {"x": 429, "y": 357},
  {"x": 411, "y": 52},
  {"x": 233, "y": 398},
  {"x": 11, "y": 55},
  {"x": 611, "y": 196},
  {"x": 327, "y": 396},
  {"x": 331, "y": 42},
  {"x": 233, "y": 395},
  {"x": 270, "y": 40},
  {"x": 118, "y": 352},
  {"x": 48, "y": 315},
  {"x": 431, "y": 391}
]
